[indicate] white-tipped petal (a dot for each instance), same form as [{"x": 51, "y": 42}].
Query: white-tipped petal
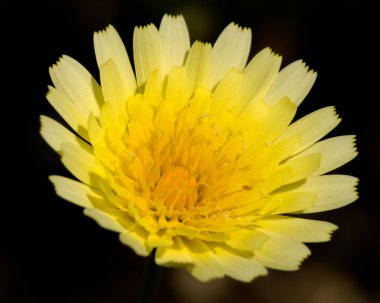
[
  {"x": 238, "y": 266},
  {"x": 260, "y": 73},
  {"x": 104, "y": 220},
  {"x": 55, "y": 134},
  {"x": 81, "y": 162},
  {"x": 281, "y": 252},
  {"x": 312, "y": 127},
  {"x": 198, "y": 65},
  {"x": 332, "y": 191},
  {"x": 75, "y": 192},
  {"x": 334, "y": 152},
  {"x": 73, "y": 114},
  {"x": 136, "y": 239},
  {"x": 231, "y": 49},
  {"x": 109, "y": 46},
  {"x": 149, "y": 53},
  {"x": 175, "y": 38},
  {"x": 74, "y": 81},
  {"x": 294, "y": 81},
  {"x": 303, "y": 230}
]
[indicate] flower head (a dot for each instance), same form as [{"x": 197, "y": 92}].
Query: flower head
[{"x": 194, "y": 154}]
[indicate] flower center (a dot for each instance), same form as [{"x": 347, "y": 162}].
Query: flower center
[{"x": 177, "y": 189}]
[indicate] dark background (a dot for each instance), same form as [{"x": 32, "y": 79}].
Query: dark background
[{"x": 50, "y": 252}]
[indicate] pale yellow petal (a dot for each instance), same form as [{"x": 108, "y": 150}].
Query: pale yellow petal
[
  {"x": 332, "y": 191},
  {"x": 149, "y": 53},
  {"x": 276, "y": 121},
  {"x": 176, "y": 40},
  {"x": 109, "y": 46},
  {"x": 175, "y": 255},
  {"x": 281, "y": 252},
  {"x": 294, "y": 81},
  {"x": 303, "y": 166},
  {"x": 231, "y": 49},
  {"x": 104, "y": 220},
  {"x": 75, "y": 192},
  {"x": 227, "y": 92},
  {"x": 81, "y": 163},
  {"x": 95, "y": 132},
  {"x": 69, "y": 111},
  {"x": 198, "y": 66},
  {"x": 177, "y": 91},
  {"x": 302, "y": 230},
  {"x": 312, "y": 127},
  {"x": 136, "y": 239},
  {"x": 201, "y": 102},
  {"x": 288, "y": 202},
  {"x": 73, "y": 80},
  {"x": 335, "y": 152},
  {"x": 55, "y": 134},
  {"x": 204, "y": 267},
  {"x": 246, "y": 239},
  {"x": 159, "y": 239},
  {"x": 113, "y": 87},
  {"x": 259, "y": 74},
  {"x": 111, "y": 123},
  {"x": 237, "y": 266}
]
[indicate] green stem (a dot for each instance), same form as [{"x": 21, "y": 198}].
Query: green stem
[{"x": 152, "y": 273}]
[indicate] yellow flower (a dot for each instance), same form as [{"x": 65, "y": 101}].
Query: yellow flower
[{"x": 194, "y": 155}]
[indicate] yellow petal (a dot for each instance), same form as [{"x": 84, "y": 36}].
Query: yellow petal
[
  {"x": 294, "y": 81},
  {"x": 246, "y": 239},
  {"x": 277, "y": 178},
  {"x": 175, "y": 38},
  {"x": 276, "y": 121},
  {"x": 74, "y": 81},
  {"x": 205, "y": 266},
  {"x": 149, "y": 53},
  {"x": 237, "y": 266},
  {"x": 198, "y": 66},
  {"x": 95, "y": 132},
  {"x": 274, "y": 155},
  {"x": 109, "y": 46},
  {"x": 289, "y": 202},
  {"x": 231, "y": 49},
  {"x": 56, "y": 134},
  {"x": 259, "y": 74},
  {"x": 111, "y": 123},
  {"x": 281, "y": 252},
  {"x": 113, "y": 87},
  {"x": 201, "y": 102},
  {"x": 177, "y": 92},
  {"x": 159, "y": 239},
  {"x": 312, "y": 127},
  {"x": 69, "y": 111},
  {"x": 81, "y": 163},
  {"x": 302, "y": 167},
  {"x": 332, "y": 191},
  {"x": 227, "y": 92},
  {"x": 75, "y": 192},
  {"x": 103, "y": 219},
  {"x": 299, "y": 229},
  {"x": 136, "y": 239},
  {"x": 174, "y": 255},
  {"x": 335, "y": 152}
]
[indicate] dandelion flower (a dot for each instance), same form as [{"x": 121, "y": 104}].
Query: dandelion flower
[{"x": 193, "y": 155}]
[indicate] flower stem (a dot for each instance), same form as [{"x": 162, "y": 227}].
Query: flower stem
[{"x": 152, "y": 273}]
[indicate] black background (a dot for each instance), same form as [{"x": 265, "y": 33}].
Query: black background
[{"x": 50, "y": 252}]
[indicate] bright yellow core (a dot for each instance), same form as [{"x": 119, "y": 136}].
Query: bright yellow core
[
  {"x": 188, "y": 164},
  {"x": 177, "y": 189}
]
